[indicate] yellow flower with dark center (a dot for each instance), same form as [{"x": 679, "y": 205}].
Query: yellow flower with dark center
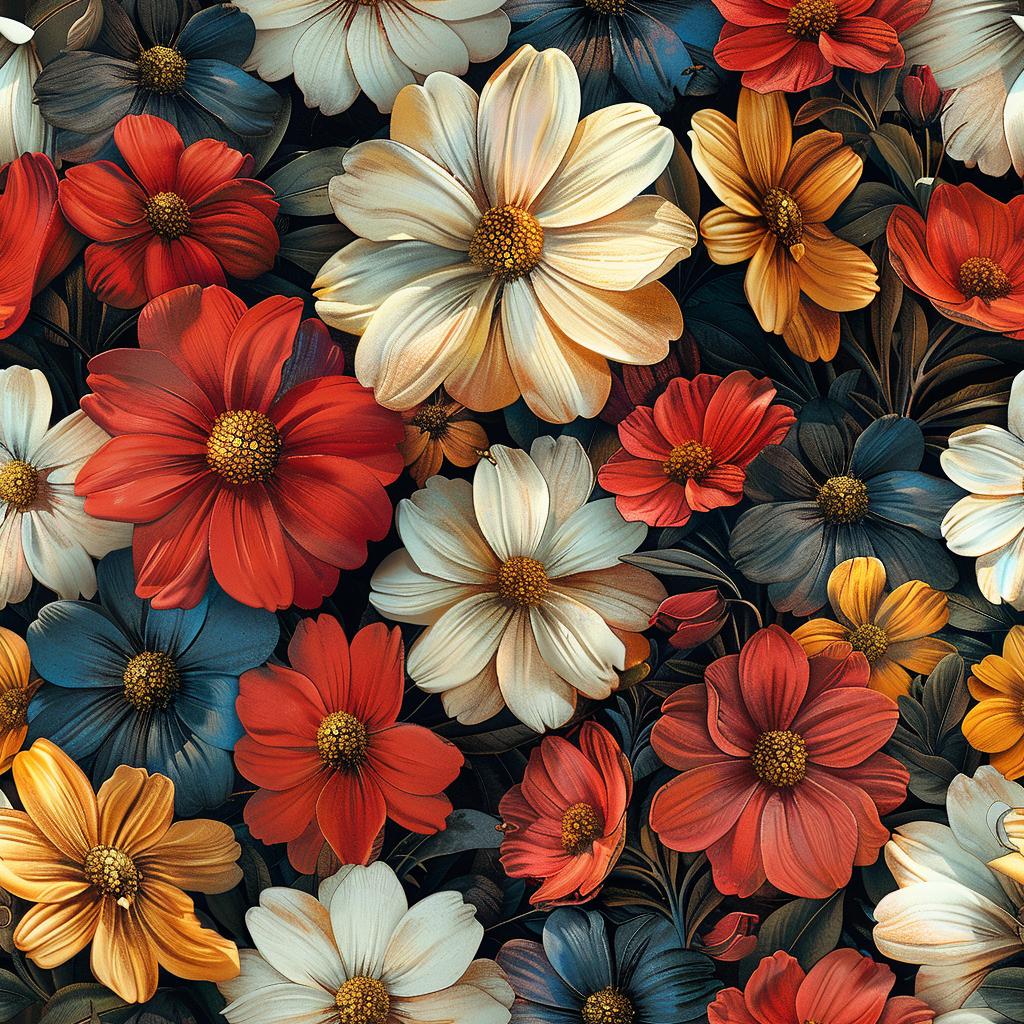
[
  {"x": 439, "y": 430},
  {"x": 15, "y": 695},
  {"x": 893, "y": 632},
  {"x": 996, "y": 725}
]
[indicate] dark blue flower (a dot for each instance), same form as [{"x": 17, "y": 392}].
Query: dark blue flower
[
  {"x": 579, "y": 973},
  {"x": 128, "y": 684}
]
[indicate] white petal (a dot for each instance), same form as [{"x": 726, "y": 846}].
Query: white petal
[
  {"x": 271, "y": 14},
  {"x": 329, "y": 886},
  {"x": 55, "y": 556},
  {"x": 624, "y": 596},
  {"x": 97, "y": 536},
  {"x": 255, "y": 973},
  {"x": 535, "y": 693},
  {"x": 452, "y": 10},
  {"x": 1001, "y": 572},
  {"x": 402, "y": 592},
  {"x": 487, "y": 976},
  {"x": 377, "y": 68},
  {"x": 322, "y": 68},
  {"x": 25, "y": 407},
  {"x": 279, "y": 1004},
  {"x": 483, "y": 381},
  {"x": 593, "y": 537},
  {"x": 511, "y": 502},
  {"x": 972, "y": 123},
  {"x": 1015, "y": 408},
  {"x": 272, "y": 53},
  {"x": 977, "y": 525},
  {"x": 366, "y": 908},
  {"x": 421, "y": 42},
  {"x": 15, "y": 31},
  {"x": 22, "y": 128},
  {"x": 484, "y": 37},
  {"x": 974, "y": 807},
  {"x": 15, "y": 576},
  {"x": 477, "y": 700},
  {"x": 66, "y": 446},
  {"x": 985, "y": 459},
  {"x": 460, "y": 1004},
  {"x": 568, "y": 473}
]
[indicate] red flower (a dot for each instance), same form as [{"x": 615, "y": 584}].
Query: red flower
[
  {"x": 691, "y": 618},
  {"x": 731, "y": 937},
  {"x": 921, "y": 96},
  {"x": 641, "y": 385},
  {"x": 225, "y": 467},
  {"x": 792, "y": 45},
  {"x": 842, "y": 988},
  {"x": 967, "y": 259},
  {"x": 323, "y": 741},
  {"x": 781, "y": 774},
  {"x": 189, "y": 216},
  {"x": 568, "y": 816},
  {"x": 688, "y": 453}
]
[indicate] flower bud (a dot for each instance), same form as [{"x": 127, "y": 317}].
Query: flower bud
[
  {"x": 921, "y": 96},
  {"x": 691, "y": 618}
]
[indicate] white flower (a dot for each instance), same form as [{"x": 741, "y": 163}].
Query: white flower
[
  {"x": 22, "y": 128},
  {"x": 337, "y": 47},
  {"x": 519, "y": 582},
  {"x": 361, "y": 955},
  {"x": 45, "y": 531}
]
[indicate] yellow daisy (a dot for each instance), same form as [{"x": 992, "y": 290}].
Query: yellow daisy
[{"x": 996, "y": 725}]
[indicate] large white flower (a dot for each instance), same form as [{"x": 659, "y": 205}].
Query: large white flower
[
  {"x": 22, "y": 128},
  {"x": 45, "y": 531},
  {"x": 361, "y": 955},
  {"x": 504, "y": 247},
  {"x": 519, "y": 582}
]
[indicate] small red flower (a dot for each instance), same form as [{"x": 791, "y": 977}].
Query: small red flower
[
  {"x": 691, "y": 618},
  {"x": 568, "y": 816},
  {"x": 689, "y": 452},
  {"x": 782, "y": 778},
  {"x": 232, "y": 462},
  {"x": 324, "y": 743},
  {"x": 187, "y": 217},
  {"x": 921, "y": 96},
  {"x": 731, "y": 937}
]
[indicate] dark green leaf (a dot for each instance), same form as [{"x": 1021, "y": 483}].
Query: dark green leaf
[
  {"x": 301, "y": 185},
  {"x": 76, "y": 1004},
  {"x": 15, "y": 995},
  {"x": 1003, "y": 990}
]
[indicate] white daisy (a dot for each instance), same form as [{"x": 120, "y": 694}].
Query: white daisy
[
  {"x": 519, "y": 582},
  {"x": 22, "y": 128},
  {"x": 360, "y": 955}
]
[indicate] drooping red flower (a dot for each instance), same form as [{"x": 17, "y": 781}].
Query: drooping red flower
[
  {"x": 568, "y": 816},
  {"x": 782, "y": 776},
  {"x": 227, "y": 465},
  {"x": 187, "y": 216},
  {"x": 689, "y": 452},
  {"x": 324, "y": 743},
  {"x": 691, "y": 618}
]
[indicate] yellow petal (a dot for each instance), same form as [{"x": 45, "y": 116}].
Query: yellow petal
[
  {"x": 920, "y": 655},
  {"x": 1013, "y": 648},
  {"x": 717, "y": 155},
  {"x": 33, "y": 868},
  {"x": 816, "y": 634},
  {"x": 833, "y": 273},
  {"x": 822, "y": 172},
  {"x": 15, "y": 665},
  {"x": 766, "y": 136},
  {"x": 772, "y": 286},
  {"x": 135, "y": 809},
  {"x": 197, "y": 855},
  {"x": 813, "y": 332},
  {"x": 1010, "y": 762},
  {"x": 889, "y": 678},
  {"x": 729, "y": 236},
  {"x": 855, "y": 589},
  {"x": 123, "y": 958},
  {"x": 462, "y": 441},
  {"x": 1011, "y": 865},
  {"x": 996, "y": 677},
  {"x": 994, "y": 725},
  {"x": 50, "y": 934},
  {"x": 913, "y": 610}
]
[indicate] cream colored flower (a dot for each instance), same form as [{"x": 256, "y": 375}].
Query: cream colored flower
[{"x": 505, "y": 249}]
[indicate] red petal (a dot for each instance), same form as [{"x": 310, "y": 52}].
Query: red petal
[
  {"x": 280, "y": 707},
  {"x": 279, "y": 817},
  {"x": 773, "y": 671},
  {"x": 865, "y": 44},
  {"x": 752, "y": 12},
  {"x": 205, "y": 165},
  {"x": 304, "y": 852},
  {"x": 151, "y": 147},
  {"x": 260, "y": 343},
  {"x": 115, "y": 271},
  {"x": 679, "y": 413},
  {"x": 350, "y": 812},
  {"x": 772, "y": 990},
  {"x": 666, "y": 506},
  {"x": 837, "y": 666},
  {"x": 640, "y": 437},
  {"x": 729, "y": 723},
  {"x": 59, "y": 246},
  {"x": 319, "y": 650},
  {"x": 613, "y": 767},
  {"x": 872, "y": 835},
  {"x": 719, "y": 487},
  {"x": 414, "y": 760},
  {"x": 736, "y": 862},
  {"x": 378, "y": 676},
  {"x": 314, "y": 579},
  {"x": 624, "y": 473},
  {"x": 278, "y": 768},
  {"x": 846, "y": 726},
  {"x": 802, "y": 68},
  {"x": 845, "y": 988},
  {"x": 181, "y": 261},
  {"x": 735, "y": 416},
  {"x": 422, "y": 814},
  {"x": 761, "y": 45},
  {"x": 243, "y": 239},
  {"x": 680, "y": 737},
  {"x": 102, "y": 202},
  {"x": 729, "y": 1007},
  {"x": 883, "y": 778}
]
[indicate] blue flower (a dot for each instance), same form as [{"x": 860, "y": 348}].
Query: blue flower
[
  {"x": 129, "y": 684},
  {"x": 579, "y": 974}
]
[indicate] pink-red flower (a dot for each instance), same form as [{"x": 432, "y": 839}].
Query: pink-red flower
[
  {"x": 273, "y": 482},
  {"x": 185, "y": 216},
  {"x": 782, "y": 776},
  {"x": 691, "y": 618}
]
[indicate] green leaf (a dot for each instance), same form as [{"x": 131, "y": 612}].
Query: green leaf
[
  {"x": 301, "y": 185},
  {"x": 818, "y": 105},
  {"x": 76, "y": 1004},
  {"x": 465, "y": 829},
  {"x": 1003, "y": 990},
  {"x": 310, "y": 248},
  {"x": 15, "y": 995}
]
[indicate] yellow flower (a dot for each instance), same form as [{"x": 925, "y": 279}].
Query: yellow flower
[
  {"x": 108, "y": 868},
  {"x": 894, "y": 633},
  {"x": 15, "y": 694},
  {"x": 777, "y": 196},
  {"x": 439, "y": 430},
  {"x": 996, "y": 725}
]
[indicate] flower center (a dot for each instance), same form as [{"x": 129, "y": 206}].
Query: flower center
[
  {"x": 687, "y": 461},
  {"x": 362, "y": 1001},
  {"x": 609, "y": 1006},
  {"x": 782, "y": 214},
  {"x": 522, "y": 581},
  {"x": 809, "y": 18},
  {"x": 162, "y": 70},
  {"x": 14, "y": 707},
  {"x": 432, "y": 420},
  {"x": 112, "y": 872},
  {"x": 983, "y": 278},
  {"x": 779, "y": 758},
  {"x": 843, "y": 499},
  {"x": 150, "y": 680},
  {"x": 607, "y": 6},
  {"x": 341, "y": 741},
  {"x": 872, "y": 640},
  {"x": 168, "y": 215},
  {"x": 507, "y": 242},
  {"x": 580, "y": 826},
  {"x": 19, "y": 484},
  {"x": 243, "y": 446}
]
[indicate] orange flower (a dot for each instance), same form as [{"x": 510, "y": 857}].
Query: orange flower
[
  {"x": 15, "y": 694},
  {"x": 439, "y": 430},
  {"x": 777, "y": 197},
  {"x": 108, "y": 868},
  {"x": 996, "y": 725}
]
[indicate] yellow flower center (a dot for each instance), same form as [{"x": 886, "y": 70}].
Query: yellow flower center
[
  {"x": 19, "y": 484},
  {"x": 243, "y": 446},
  {"x": 507, "y": 242},
  {"x": 843, "y": 499},
  {"x": 783, "y": 216},
  {"x": 162, "y": 70},
  {"x": 113, "y": 872},
  {"x": 341, "y": 741},
  {"x": 983, "y": 278},
  {"x": 362, "y": 1001},
  {"x": 687, "y": 461},
  {"x": 168, "y": 215},
  {"x": 150, "y": 680},
  {"x": 609, "y": 1006},
  {"x": 432, "y": 420},
  {"x": 607, "y": 6},
  {"x": 522, "y": 581},
  {"x": 872, "y": 640},
  {"x": 14, "y": 708},
  {"x": 580, "y": 826},
  {"x": 809, "y": 18},
  {"x": 779, "y": 758}
]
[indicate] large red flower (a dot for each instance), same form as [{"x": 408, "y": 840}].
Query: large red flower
[
  {"x": 782, "y": 778},
  {"x": 323, "y": 741},
  {"x": 689, "y": 452},
  {"x": 186, "y": 217},
  {"x": 272, "y": 484}
]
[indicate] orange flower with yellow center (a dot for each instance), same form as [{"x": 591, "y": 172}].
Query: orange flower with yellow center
[
  {"x": 439, "y": 430},
  {"x": 778, "y": 195},
  {"x": 15, "y": 695},
  {"x": 893, "y": 632},
  {"x": 996, "y": 725},
  {"x": 109, "y": 868}
]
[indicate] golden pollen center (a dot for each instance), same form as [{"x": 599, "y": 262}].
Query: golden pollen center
[
  {"x": 782, "y": 215},
  {"x": 580, "y": 826},
  {"x": 983, "y": 278},
  {"x": 162, "y": 70},
  {"x": 809, "y": 18},
  {"x": 362, "y": 1001},
  {"x": 609, "y": 1006},
  {"x": 168, "y": 215},
  {"x": 507, "y": 242},
  {"x": 872, "y": 640},
  {"x": 14, "y": 707},
  {"x": 19, "y": 484},
  {"x": 150, "y": 680},
  {"x": 843, "y": 499},
  {"x": 341, "y": 741},
  {"x": 112, "y": 872},
  {"x": 607, "y": 6},
  {"x": 779, "y": 758},
  {"x": 522, "y": 581},
  {"x": 432, "y": 420},
  {"x": 243, "y": 446},
  {"x": 688, "y": 461}
]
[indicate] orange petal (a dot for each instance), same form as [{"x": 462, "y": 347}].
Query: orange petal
[
  {"x": 123, "y": 958},
  {"x": 833, "y": 273},
  {"x": 913, "y": 610},
  {"x": 822, "y": 172},
  {"x": 994, "y": 725},
  {"x": 32, "y": 867},
  {"x": 10, "y": 743},
  {"x": 766, "y": 136},
  {"x": 15, "y": 665},
  {"x": 135, "y": 809},
  {"x": 51, "y": 934},
  {"x": 889, "y": 678},
  {"x": 813, "y": 333},
  {"x": 1010, "y": 762},
  {"x": 461, "y": 442},
  {"x": 817, "y": 634},
  {"x": 996, "y": 677},
  {"x": 717, "y": 155},
  {"x": 1013, "y": 648},
  {"x": 855, "y": 589},
  {"x": 197, "y": 855},
  {"x": 921, "y": 654},
  {"x": 772, "y": 286},
  {"x": 729, "y": 236}
]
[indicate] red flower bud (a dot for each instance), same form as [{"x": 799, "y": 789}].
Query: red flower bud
[
  {"x": 691, "y": 618},
  {"x": 730, "y": 939},
  {"x": 922, "y": 98}
]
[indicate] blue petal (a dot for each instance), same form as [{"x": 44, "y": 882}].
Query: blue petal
[
  {"x": 696, "y": 22},
  {"x": 245, "y": 104},
  {"x": 202, "y": 775},
  {"x": 158, "y": 19},
  {"x": 576, "y": 943},
  {"x": 218, "y": 33},
  {"x": 648, "y": 58},
  {"x": 889, "y": 443},
  {"x": 74, "y": 643},
  {"x": 233, "y": 639},
  {"x": 126, "y": 744},
  {"x": 912, "y": 499},
  {"x": 206, "y": 705},
  {"x": 637, "y": 939},
  {"x": 534, "y": 10},
  {"x": 909, "y": 555},
  {"x": 532, "y": 977},
  {"x": 673, "y": 986},
  {"x": 777, "y": 541},
  {"x": 78, "y": 721}
]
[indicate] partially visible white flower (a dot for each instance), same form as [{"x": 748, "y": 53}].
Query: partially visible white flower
[
  {"x": 22, "y": 128},
  {"x": 519, "y": 582},
  {"x": 360, "y": 948},
  {"x": 986, "y": 814},
  {"x": 44, "y": 530}
]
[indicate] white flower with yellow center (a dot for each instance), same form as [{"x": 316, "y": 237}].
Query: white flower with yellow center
[
  {"x": 44, "y": 530},
  {"x": 519, "y": 582},
  {"x": 360, "y": 955},
  {"x": 504, "y": 247},
  {"x": 22, "y": 128}
]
